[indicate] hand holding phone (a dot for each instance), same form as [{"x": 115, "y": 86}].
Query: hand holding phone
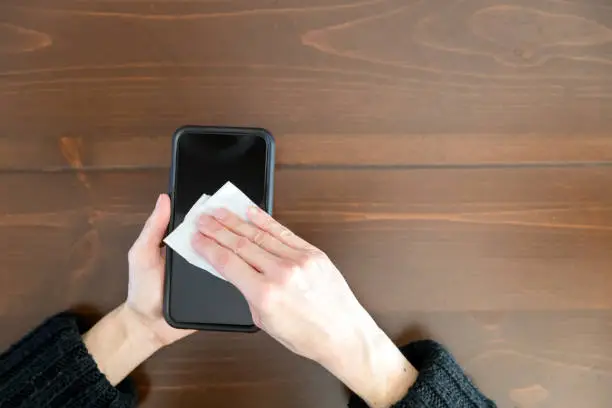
[
  {"x": 146, "y": 274},
  {"x": 299, "y": 297},
  {"x": 136, "y": 329}
]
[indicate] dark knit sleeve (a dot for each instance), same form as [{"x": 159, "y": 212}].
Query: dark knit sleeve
[
  {"x": 441, "y": 382},
  {"x": 51, "y": 367}
]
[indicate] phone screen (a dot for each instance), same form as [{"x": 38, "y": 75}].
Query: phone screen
[{"x": 203, "y": 163}]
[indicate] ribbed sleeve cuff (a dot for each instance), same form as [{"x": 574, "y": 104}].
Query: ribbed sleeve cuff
[
  {"x": 441, "y": 382},
  {"x": 51, "y": 367}
]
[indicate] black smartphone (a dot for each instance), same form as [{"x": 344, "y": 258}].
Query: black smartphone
[{"x": 203, "y": 159}]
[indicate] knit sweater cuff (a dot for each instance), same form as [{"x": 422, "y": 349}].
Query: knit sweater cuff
[
  {"x": 51, "y": 367},
  {"x": 441, "y": 382}
]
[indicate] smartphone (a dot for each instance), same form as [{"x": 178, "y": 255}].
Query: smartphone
[{"x": 203, "y": 159}]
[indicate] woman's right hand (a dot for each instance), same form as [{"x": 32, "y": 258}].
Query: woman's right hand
[{"x": 299, "y": 297}]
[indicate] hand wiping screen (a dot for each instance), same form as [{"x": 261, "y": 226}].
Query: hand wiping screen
[{"x": 228, "y": 197}]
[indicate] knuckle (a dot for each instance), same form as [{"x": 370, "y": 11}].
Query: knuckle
[
  {"x": 259, "y": 238},
  {"x": 267, "y": 222},
  {"x": 286, "y": 266},
  {"x": 214, "y": 227},
  {"x": 235, "y": 223},
  {"x": 285, "y": 232},
  {"x": 241, "y": 243},
  {"x": 303, "y": 260},
  {"x": 288, "y": 272},
  {"x": 221, "y": 259}
]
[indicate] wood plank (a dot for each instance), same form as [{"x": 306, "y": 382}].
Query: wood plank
[
  {"x": 367, "y": 150},
  {"x": 457, "y": 85},
  {"x": 475, "y": 239}
]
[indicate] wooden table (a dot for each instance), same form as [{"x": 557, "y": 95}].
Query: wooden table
[{"x": 453, "y": 157}]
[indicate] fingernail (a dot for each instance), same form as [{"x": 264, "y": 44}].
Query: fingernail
[
  {"x": 253, "y": 210},
  {"x": 159, "y": 198},
  {"x": 220, "y": 213}
]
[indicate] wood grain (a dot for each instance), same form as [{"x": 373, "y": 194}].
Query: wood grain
[
  {"x": 453, "y": 157},
  {"x": 455, "y": 81},
  {"x": 450, "y": 234},
  {"x": 322, "y": 150}
]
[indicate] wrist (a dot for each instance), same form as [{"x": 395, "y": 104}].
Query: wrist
[
  {"x": 120, "y": 342},
  {"x": 138, "y": 330},
  {"x": 371, "y": 365}
]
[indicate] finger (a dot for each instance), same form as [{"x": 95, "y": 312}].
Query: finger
[
  {"x": 253, "y": 254},
  {"x": 155, "y": 227},
  {"x": 233, "y": 268},
  {"x": 264, "y": 221},
  {"x": 255, "y": 234}
]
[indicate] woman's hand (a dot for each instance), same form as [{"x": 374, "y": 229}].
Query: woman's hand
[
  {"x": 299, "y": 297},
  {"x": 135, "y": 330},
  {"x": 146, "y": 261}
]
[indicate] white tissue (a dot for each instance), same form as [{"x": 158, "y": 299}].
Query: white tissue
[{"x": 228, "y": 197}]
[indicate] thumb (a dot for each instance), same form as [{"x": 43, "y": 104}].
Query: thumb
[{"x": 154, "y": 229}]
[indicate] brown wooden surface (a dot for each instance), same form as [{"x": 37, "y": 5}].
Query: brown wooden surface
[{"x": 453, "y": 157}]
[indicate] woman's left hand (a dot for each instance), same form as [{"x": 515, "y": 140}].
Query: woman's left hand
[
  {"x": 147, "y": 267},
  {"x": 136, "y": 329}
]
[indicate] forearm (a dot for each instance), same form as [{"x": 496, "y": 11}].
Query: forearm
[
  {"x": 119, "y": 343},
  {"x": 371, "y": 365}
]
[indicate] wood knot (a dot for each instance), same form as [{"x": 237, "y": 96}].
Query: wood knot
[
  {"x": 15, "y": 39},
  {"x": 526, "y": 33},
  {"x": 529, "y": 397}
]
